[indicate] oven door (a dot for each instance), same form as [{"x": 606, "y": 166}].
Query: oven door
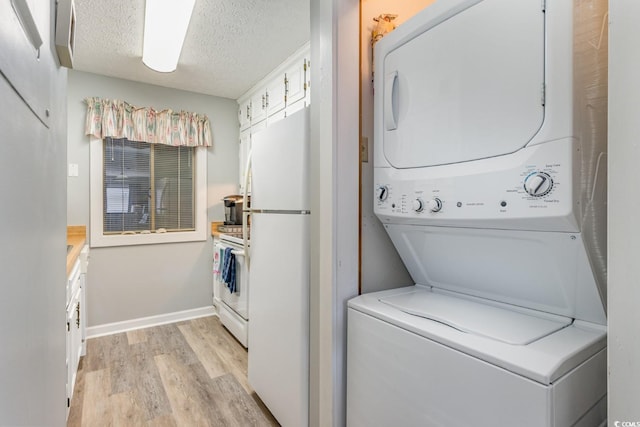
[{"x": 237, "y": 301}]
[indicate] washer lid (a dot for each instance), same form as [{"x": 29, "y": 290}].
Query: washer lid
[
  {"x": 465, "y": 88},
  {"x": 509, "y": 325}
]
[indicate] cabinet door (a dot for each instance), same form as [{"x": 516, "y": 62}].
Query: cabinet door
[
  {"x": 244, "y": 114},
  {"x": 83, "y": 313},
  {"x": 258, "y": 107},
  {"x": 276, "y": 95},
  {"x": 70, "y": 371},
  {"x": 295, "y": 82},
  {"x": 73, "y": 344}
]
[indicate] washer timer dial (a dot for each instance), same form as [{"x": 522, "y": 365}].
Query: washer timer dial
[
  {"x": 538, "y": 184},
  {"x": 435, "y": 204},
  {"x": 418, "y": 205},
  {"x": 382, "y": 192}
]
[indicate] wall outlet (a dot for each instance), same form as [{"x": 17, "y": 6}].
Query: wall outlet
[
  {"x": 364, "y": 149},
  {"x": 73, "y": 169}
]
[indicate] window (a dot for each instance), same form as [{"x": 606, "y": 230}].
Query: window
[{"x": 146, "y": 193}]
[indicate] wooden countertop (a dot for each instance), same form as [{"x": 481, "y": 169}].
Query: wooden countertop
[
  {"x": 214, "y": 228},
  {"x": 76, "y": 236}
]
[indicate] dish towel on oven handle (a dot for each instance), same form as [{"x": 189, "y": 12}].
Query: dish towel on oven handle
[
  {"x": 229, "y": 269},
  {"x": 217, "y": 262}
]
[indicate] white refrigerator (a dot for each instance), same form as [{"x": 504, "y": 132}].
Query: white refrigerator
[{"x": 279, "y": 268}]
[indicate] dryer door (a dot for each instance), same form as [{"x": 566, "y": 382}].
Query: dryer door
[{"x": 467, "y": 88}]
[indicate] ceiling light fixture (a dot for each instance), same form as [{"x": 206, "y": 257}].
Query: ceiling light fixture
[{"x": 165, "y": 27}]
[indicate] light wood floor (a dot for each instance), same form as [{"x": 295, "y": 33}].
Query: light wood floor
[{"x": 191, "y": 373}]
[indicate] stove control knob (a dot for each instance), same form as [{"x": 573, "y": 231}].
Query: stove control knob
[
  {"x": 538, "y": 184},
  {"x": 418, "y": 205},
  {"x": 382, "y": 192},
  {"x": 435, "y": 204}
]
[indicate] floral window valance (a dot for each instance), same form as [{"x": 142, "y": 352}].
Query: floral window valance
[{"x": 119, "y": 119}]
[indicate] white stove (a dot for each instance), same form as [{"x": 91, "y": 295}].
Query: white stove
[
  {"x": 232, "y": 300},
  {"x": 235, "y": 238}
]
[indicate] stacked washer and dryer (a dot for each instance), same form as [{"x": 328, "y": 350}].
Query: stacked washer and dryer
[{"x": 490, "y": 179}]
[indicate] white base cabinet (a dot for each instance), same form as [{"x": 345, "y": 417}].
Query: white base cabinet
[{"x": 76, "y": 320}]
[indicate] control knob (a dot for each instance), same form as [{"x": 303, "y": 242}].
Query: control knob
[
  {"x": 435, "y": 204},
  {"x": 382, "y": 192},
  {"x": 418, "y": 205},
  {"x": 538, "y": 184}
]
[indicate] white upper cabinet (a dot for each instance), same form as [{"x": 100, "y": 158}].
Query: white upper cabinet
[
  {"x": 258, "y": 107},
  {"x": 276, "y": 94},
  {"x": 286, "y": 85},
  {"x": 281, "y": 93},
  {"x": 244, "y": 114},
  {"x": 295, "y": 82}
]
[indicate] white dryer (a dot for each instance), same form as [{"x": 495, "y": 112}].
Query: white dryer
[{"x": 490, "y": 179}]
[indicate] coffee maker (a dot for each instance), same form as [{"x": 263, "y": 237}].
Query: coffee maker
[{"x": 233, "y": 206}]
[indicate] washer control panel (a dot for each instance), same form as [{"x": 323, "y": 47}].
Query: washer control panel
[{"x": 533, "y": 190}]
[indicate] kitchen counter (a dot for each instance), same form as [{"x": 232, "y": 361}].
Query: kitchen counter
[
  {"x": 77, "y": 237},
  {"x": 214, "y": 228}
]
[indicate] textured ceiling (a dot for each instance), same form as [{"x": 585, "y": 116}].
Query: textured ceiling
[{"x": 230, "y": 44}]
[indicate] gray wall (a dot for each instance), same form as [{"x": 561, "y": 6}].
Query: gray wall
[
  {"x": 624, "y": 205},
  {"x": 381, "y": 266},
  {"x": 126, "y": 283},
  {"x": 33, "y": 230}
]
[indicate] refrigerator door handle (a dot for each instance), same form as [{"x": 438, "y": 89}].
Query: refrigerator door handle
[
  {"x": 279, "y": 211},
  {"x": 245, "y": 213}
]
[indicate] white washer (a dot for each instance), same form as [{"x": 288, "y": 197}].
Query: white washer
[{"x": 490, "y": 179}]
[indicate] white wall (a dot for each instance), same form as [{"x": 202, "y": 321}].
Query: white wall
[
  {"x": 381, "y": 266},
  {"x": 33, "y": 229},
  {"x": 334, "y": 201},
  {"x": 138, "y": 281},
  {"x": 624, "y": 205}
]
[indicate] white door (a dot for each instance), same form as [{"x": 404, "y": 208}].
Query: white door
[
  {"x": 483, "y": 67},
  {"x": 279, "y": 311},
  {"x": 280, "y": 155}
]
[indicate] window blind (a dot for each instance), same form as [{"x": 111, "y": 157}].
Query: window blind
[{"x": 147, "y": 187}]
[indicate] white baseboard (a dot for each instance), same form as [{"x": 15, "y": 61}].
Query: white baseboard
[{"x": 146, "y": 322}]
